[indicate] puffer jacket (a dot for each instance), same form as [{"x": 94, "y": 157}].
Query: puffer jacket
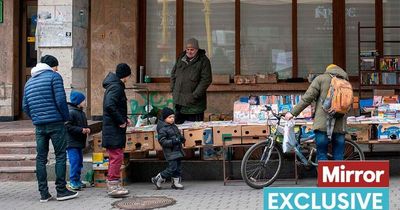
[
  {"x": 115, "y": 112},
  {"x": 169, "y": 138},
  {"x": 44, "y": 98},
  {"x": 77, "y": 121},
  {"x": 317, "y": 92},
  {"x": 189, "y": 82}
]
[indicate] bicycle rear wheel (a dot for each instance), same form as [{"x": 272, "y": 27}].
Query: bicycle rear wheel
[
  {"x": 261, "y": 164},
  {"x": 351, "y": 151}
]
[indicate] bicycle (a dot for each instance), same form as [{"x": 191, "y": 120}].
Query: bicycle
[{"x": 262, "y": 162}]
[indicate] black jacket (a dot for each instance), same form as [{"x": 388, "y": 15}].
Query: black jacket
[
  {"x": 169, "y": 138},
  {"x": 115, "y": 112},
  {"x": 189, "y": 82},
  {"x": 77, "y": 121}
]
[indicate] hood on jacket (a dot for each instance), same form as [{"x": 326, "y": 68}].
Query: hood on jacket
[
  {"x": 40, "y": 68},
  {"x": 336, "y": 70},
  {"x": 73, "y": 106},
  {"x": 111, "y": 78}
]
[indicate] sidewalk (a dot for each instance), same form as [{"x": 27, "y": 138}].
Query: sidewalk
[{"x": 197, "y": 195}]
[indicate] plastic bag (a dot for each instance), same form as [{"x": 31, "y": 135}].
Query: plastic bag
[{"x": 289, "y": 137}]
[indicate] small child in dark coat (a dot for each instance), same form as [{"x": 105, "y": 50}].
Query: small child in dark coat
[
  {"x": 171, "y": 141},
  {"x": 77, "y": 131}
]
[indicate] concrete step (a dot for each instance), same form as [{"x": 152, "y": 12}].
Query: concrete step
[
  {"x": 17, "y": 147},
  {"x": 17, "y": 136},
  {"x": 27, "y": 173},
  {"x": 12, "y": 160}
]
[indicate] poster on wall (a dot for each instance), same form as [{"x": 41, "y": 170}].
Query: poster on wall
[{"x": 54, "y": 30}]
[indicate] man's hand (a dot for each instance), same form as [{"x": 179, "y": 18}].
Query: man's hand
[
  {"x": 123, "y": 125},
  {"x": 288, "y": 116}
]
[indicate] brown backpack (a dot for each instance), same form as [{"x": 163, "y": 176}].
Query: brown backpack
[{"x": 339, "y": 99}]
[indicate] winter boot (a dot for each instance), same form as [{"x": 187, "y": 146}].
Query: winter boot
[
  {"x": 114, "y": 189},
  {"x": 157, "y": 180},
  {"x": 176, "y": 183}
]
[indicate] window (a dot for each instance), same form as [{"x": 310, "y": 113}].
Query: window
[
  {"x": 266, "y": 37},
  {"x": 363, "y": 12},
  {"x": 213, "y": 24},
  {"x": 314, "y": 36},
  {"x": 391, "y": 17},
  {"x": 160, "y": 37}
]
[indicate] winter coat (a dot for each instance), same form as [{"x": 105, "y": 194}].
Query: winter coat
[
  {"x": 115, "y": 112},
  {"x": 169, "y": 138},
  {"x": 317, "y": 92},
  {"x": 44, "y": 98},
  {"x": 77, "y": 121},
  {"x": 189, "y": 82}
]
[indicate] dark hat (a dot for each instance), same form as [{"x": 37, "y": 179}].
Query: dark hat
[
  {"x": 76, "y": 97},
  {"x": 166, "y": 112},
  {"x": 123, "y": 70},
  {"x": 49, "y": 60}
]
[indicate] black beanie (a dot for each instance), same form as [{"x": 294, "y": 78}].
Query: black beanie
[
  {"x": 49, "y": 60},
  {"x": 166, "y": 112},
  {"x": 123, "y": 70}
]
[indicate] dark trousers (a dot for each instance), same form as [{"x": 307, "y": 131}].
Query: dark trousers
[
  {"x": 75, "y": 164},
  {"x": 174, "y": 169},
  {"x": 55, "y": 132},
  {"x": 181, "y": 118}
]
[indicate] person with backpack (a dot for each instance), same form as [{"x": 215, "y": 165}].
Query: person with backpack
[{"x": 333, "y": 95}]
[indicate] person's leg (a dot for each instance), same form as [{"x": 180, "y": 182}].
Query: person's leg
[
  {"x": 179, "y": 118},
  {"x": 80, "y": 164},
  {"x": 338, "y": 145},
  {"x": 322, "y": 141},
  {"x": 178, "y": 171},
  {"x": 42, "y": 149},
  {"x": 170, "y": 170},
  {"x": 57, "y": 135},
  {"x": 74, "y": 163},
  {"x": 199, "y": 117},
  {"x": 116, "y": 156},
  {"x": 176, "y": 179}
]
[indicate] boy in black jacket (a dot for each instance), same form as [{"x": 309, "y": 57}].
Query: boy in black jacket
[
  {"x": 171, "y": 141},
  {"x": 78, "y": 130}
]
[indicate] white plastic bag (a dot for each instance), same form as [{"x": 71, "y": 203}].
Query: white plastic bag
[{"x": 289, "y": 137}]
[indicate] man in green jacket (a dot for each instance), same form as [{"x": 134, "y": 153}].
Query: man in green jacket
[
  {"x": 317, "y": 92},
  {"x": 190, "y": 79}
]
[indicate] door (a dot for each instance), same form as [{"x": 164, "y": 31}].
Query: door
[{"x": 28, "y": 49}]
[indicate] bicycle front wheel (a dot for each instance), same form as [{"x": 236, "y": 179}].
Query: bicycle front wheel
[{"x": 261, "y": 164}]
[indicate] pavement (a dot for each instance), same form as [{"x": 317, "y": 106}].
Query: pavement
[{"x": 209, "y": 195}]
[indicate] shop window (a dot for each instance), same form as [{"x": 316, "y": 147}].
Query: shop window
[
  {"x": 160, "y": 37},
  {"x": 266, "y": 37},
  {"x": 363, "y": 12},
  {"x": 213, "y": 24},
  {"x": 314, "y": 36},
  {"x": 391, "y": 17}
]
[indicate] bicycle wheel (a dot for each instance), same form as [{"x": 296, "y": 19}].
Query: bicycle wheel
[
  {"x": 261, "y": 165},
  {"x": 351, "y": 151}
]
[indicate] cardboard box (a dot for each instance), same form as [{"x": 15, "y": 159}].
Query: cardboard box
[
  {"x": 139, "y": 141},
  {"x": 359, "y": 132},
  {"x": 198, "y": 137},
  {"x": 228, "y": 134},
  {"x": 97, "y": 140},
  {"x": 389, "y": 131},
  {"x": 254, "y": 133},
  {"x": 100, "y": 176},
  {"x": 266, "y": 78},
  {"x": 221, "y": 79},
  {"x": 245, "y": 79}
]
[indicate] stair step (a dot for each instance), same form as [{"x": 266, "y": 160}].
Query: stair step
[
  {"x": 18, "y": 173},
  {"x": 11, "y": 160},
  {"x": 17, "y": 147}
]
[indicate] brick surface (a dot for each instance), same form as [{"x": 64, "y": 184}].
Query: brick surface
[{"x": 197, "y": 195}]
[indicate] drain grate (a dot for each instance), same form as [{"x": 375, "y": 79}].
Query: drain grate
[{"x": 145, "y": 202}]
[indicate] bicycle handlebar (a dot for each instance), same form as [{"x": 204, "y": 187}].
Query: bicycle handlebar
[{"x": 278, "y": 116}]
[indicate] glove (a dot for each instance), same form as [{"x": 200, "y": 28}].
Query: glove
[
  {"x": 182, "y": 139},
  {"x": 176, "y": 141}
]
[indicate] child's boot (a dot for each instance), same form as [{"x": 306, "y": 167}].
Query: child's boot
[
  {"x": 157, "y": 180},
  {"x": 176, "y": 183}
]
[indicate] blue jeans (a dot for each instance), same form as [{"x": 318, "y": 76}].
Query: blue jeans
[
  {"x": 322, "y": 141},
  {"x": 76, "y": 163},
  {"x": 55, "y": 132}
]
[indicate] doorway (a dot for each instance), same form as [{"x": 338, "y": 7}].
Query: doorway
[{"x": 28, "y": 45}]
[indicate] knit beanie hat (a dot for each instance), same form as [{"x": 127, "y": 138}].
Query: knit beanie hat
[
  {"x": 166, "y": 112},
  {"x": 76, "y": 97},
  {"x": 123, "y": 70},
  {"x": 49, "y": 60},
  {"x": 192, "y": 42}
]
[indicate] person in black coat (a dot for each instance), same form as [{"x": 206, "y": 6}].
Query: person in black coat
[
  {"x": 115, "y": 121},
  {"x": 77, "y": 131},
  {"x": 171, "y": 141}
]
